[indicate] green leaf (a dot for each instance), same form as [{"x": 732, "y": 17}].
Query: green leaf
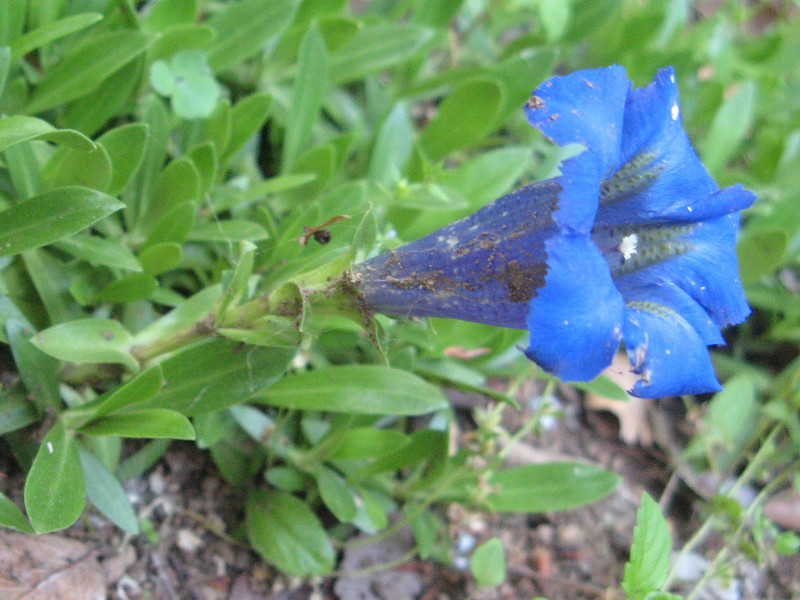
[
  {"x": 729, "y": 127},
  {"x": 86, "y": 169},
  {"x": 190, "y": 311},
  {"x": 392, "y": 146},
  {"x": 555, "y": 17},
  {"x": 360, "y": 389},
  {"x": 86, "y": 68},
  {"x": 337, "y": 495},
  {"x": 140, "y": 389},
  {"x": 88, "y": 341},
  {"x": 11, "y": 516},
  {"x": 603, "y": 386},
  {"x": 131, "y": 288},
  {"x": 309, "y": 91},
  {"x": 376, "y": 48},
  {"x": 100, "y": 251},
  {"x": 247, "y": 118},
  {"x": 41, "y": 36},
  {"x": 173, "y": 227},
  {"x": 548, "y": 486},
  {"x": 648, "y": 566},
  {"x": 159, "y": 258},
  {"x": 488, "y": 562},
  {"x": 50, "y": 216},
  {"x": 176, "y": 185},
  {"x": 18, "y": 128},
  {"x": 218, "y": 373},
  {"x": 760, "y": 252},
  {"x": 169, "y": 13},
  {"x": 125, "y": 146},
  {"x": 285, "y": 531},
  {"x": 245, "y": 28},
  {"x": 204, "y": 158},
  {"x": 39, "y": 372},
  {"x": 237, "y": 281},
  {"x": 106, "y": 493},
  {"x": 228, "y": 230},
  {"x": 143, "y": 423},
  {"x": 16, "y": 411},
  {"x": 465, "y": 117},
  {"x": 366, "y": 443},
  {"x": 55, "y": 492}
]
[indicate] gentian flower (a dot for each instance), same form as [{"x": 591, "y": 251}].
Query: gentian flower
[{"x": 634, "y": 242}]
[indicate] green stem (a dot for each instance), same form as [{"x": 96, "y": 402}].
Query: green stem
[{"x": 765, "y": 451}]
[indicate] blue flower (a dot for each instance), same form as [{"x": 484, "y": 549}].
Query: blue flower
[{"x": 634, "y": 241}]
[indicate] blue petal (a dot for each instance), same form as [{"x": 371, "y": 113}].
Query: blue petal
[
  {"x": 484, "y": 268},
  {"x": 709, "y": 272},
  {"x": 576, "y": 319},
  {"x": 668, "y": 354},
  {"x": 671, "y": 183},
  {"x": 678, "y": 301},
  {"x": 584, "y": 108}
]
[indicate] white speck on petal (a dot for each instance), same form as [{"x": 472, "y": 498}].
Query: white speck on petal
[
  {"x": 628, "y": 245},
  {"x": 689, "y": 208},
  {"x": 672, "y": 78},
  {"x": 675, "y": 112},
  {"x": 566, "y": 322},
  {"x": 50, "y": 448}
]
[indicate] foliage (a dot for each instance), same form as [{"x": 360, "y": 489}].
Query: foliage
[{"x": 162, "y": 163}]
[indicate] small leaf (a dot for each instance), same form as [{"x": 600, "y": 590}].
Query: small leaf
[
  {"x": 465, "y": 117},
  {"x": 247, "y": 118},
  {"x": 106, "y": 493},
  {"x": 488, "y": 562},
  {"x": 648, "y": 566},
  {"x": 337, "y": 495},
  {"x": 50, "y": 216},
  {"x": 18, "y": 128},
  {"x": 548, "y": 486},
  {"x": 139, "y": 389},
  {"x": 125, "y": 146},
  {"x": 143, "y": 423},
  {"x": 729, "y": 127},
  {"x": 309, "y": 90},
  {"x": 131, "y": 288},
  {"x": 99, "y": 251},
  {"x": 360, "y": 389},
  {"x": 85, "y": 69},
  {"x": 16, "y": 411},
  {"x": 229, "y": 230},
  {"x": 160, "y": 258},
  {"x": 11, "y": 516},
  {"x": 376, "y": 48},
  {"x": 285, "y": 531},
  {"x": 45, "y": 34},
  {"x": 88, "y": 341},
  {"x": 38, "y": 371},
  {"x": 86, "y": 169},
  {"x": 245, "y": 28},
  {"x": 55, "y": 492}
]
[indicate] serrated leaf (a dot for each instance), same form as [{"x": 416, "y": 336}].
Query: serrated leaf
[
  {"x": 358, "y": 389},
  {"x": 50, "y": 216},
  {"x": 648, "y": 566},
  {"x": 55, "y": 493},
  {"x": 285, "y": 531},
  {"x": 88, "y": 341}
]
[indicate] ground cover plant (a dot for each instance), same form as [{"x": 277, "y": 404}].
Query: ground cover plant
[{"x": 185, "y": 182}]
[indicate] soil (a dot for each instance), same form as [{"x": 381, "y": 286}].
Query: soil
[{"x": 192, "y": 549}]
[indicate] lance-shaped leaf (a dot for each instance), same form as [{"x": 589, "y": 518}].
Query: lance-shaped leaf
[{"x": 51, "y": 216}]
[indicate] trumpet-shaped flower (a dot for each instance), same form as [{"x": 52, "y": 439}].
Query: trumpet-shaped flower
[{"x": 634, "y": 242}]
